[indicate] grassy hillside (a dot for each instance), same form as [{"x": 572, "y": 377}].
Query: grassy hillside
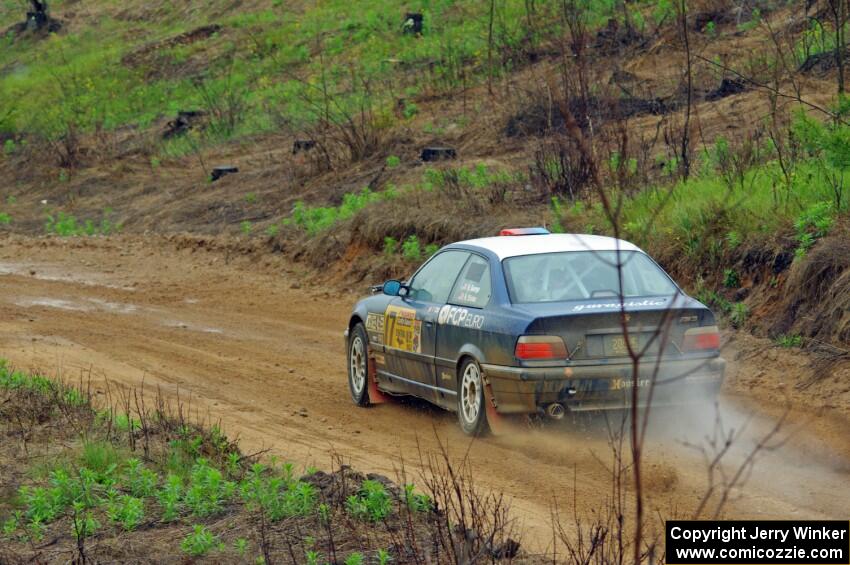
[
  {"x": 257, "y": 67},
  {"x": 715, "y": 136}
]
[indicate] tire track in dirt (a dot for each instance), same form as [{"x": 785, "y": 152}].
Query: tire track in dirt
[{"x": 268, "y": 361}]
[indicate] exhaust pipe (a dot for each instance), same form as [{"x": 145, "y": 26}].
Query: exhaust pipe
[{"x": 555, "y": 411}]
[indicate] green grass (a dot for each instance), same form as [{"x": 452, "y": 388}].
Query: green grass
[
  {"x": 170, "y": 497},
  {"x": 411, "y": 249},
  {"x": 77, "y": 81},
  {"x": 102, "y": 489},
  {"x": 789, "y": 341},
  {"x": 371, "y": 503},
  {"x": 200, "y": 542},
  {"x": 417, "y": 502},
  {"x": 277, "y": 493},
  {"x": 12, "y": 379},
  {"x": 476, "y": 177},
  {"x": 102, "y": 458},
  {"x": 816, "y": 39},
  {"x": 208, "y": 491},
  {"x": 67, "y": 225},
  {"x": 125, "y": 510},
  {"x": 813, "y": 223},
  {"x": 739, "y": 314},
  {"x": 707, "y": 217},
  {"x": 731, "y": 279},
  {"x": 101, "y": 475},
  {"x": 83, "y": 524},
  {"x": 390, "y": 246},
  {"x": 705, "y": 208},
  {"x": 139, "y": 480},
  {"x": 314, "y": 219}
]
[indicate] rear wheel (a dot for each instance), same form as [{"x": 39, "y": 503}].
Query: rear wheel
[
  {"x": 358, "y": 365},
  {"x": 471, "y": 410}
]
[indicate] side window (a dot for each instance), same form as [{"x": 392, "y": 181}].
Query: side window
[
  {"x": 473, "y": 287},
  {"x": 435, "y": 280}
]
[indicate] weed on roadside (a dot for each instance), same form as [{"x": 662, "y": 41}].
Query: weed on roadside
[
  {"x": 789, "y": 341},
  {"x": 67, "y": 225}
]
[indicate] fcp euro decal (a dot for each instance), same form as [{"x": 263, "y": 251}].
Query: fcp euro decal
[{"x": 460, "y": 317}]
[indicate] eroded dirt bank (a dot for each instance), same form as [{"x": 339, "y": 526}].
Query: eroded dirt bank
[{"x": 260, "y": 348}]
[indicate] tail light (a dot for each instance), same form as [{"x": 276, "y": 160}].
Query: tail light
[
  {"x": 701, "y": 339},
  {"x": 540, "y": 348}
]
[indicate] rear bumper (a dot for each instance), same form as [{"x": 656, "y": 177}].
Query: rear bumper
[{"x": 526, "y": 390}]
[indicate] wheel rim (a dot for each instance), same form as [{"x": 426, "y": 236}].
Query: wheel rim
[
  {"x": 357, "y": 368},
  {"x": 470, "y": 397}
]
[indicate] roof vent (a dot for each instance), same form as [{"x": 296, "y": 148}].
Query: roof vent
[{"x": 524, "y": 231}]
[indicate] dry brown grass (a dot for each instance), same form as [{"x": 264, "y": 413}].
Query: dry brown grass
[{"x": 817, "y": 304}]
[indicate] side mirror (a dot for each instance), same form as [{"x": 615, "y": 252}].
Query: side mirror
[{"x": 392, "y": 288}]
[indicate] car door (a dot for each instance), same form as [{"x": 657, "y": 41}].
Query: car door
[
  {"x": 411, "y": 323},
  {"x": 462, "y": 320}
]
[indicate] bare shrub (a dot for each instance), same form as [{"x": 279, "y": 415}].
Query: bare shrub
[
  {"x": 473, "y": 526},
  {"x": 582, "y": 121},
  {"x": 223, "y": 100},
  {"x": 560, "y": 168},
  {"x": 733, "y": 163},
  {"x": 604, "y": 538},
  {"x": 351, "y": 131}
]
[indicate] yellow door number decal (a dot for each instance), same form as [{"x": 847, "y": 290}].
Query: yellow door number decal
[{"x": 402, "y": 330}]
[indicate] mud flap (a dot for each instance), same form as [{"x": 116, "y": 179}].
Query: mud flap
[
  {"x": 498, "y": 424},
  {"x": 375, "y": 394}
]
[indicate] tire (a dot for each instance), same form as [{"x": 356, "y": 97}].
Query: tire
[
  {"x": 471, "y": 408},
  {"x": 358, "y": 365}
]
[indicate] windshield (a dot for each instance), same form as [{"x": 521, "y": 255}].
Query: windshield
[{"x": 579, "y": 275}]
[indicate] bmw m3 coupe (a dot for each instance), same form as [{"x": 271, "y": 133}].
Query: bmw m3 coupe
[{"x": 530, "y": 322}]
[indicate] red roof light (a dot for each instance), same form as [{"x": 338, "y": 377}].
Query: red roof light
[{"x": 524, "y": 231}]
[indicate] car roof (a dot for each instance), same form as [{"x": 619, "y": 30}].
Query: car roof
[{"x": 515, "y": 245}]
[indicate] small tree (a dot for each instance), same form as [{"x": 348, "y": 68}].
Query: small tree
[
  {"x": 829, "y": 144},
  {"x": 837, "y": 10}
]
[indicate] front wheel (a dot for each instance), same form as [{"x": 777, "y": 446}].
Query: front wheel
[
  {"x": 358, "y": 365},
  {"x": 471, "y": 410}
]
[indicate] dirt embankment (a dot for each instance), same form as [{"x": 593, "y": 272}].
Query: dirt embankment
[{"x": 259, "y": 346}]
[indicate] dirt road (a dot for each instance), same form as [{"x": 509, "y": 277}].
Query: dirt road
[{"x": 261, "y": 349}]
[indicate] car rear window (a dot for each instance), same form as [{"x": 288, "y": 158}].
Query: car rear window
[{"x": 580, "y": 275}]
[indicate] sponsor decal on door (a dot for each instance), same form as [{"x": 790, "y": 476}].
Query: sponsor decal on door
[
  {"x": 460, "y": 317},
  {"x": 375, "y": 327},
  {"x": 402, "y": 330}
]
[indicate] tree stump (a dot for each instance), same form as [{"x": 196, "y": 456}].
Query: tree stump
[
  {"x": 223, "y": 170},
  {"x": 184, "y": 121},
  {"x": 413, "y": 23},
  {"x": 438, "y": 154},
  {"x": 37, "y": 18},
  {"x": 728, "y": 87},
  {"x": 303, "y": 145}
]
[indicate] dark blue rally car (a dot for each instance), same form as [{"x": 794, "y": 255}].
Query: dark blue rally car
[{"x": 534, "y": 323}]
